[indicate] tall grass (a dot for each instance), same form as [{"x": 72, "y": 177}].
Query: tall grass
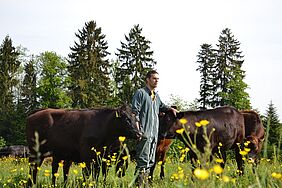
[
  {"x": 14, "y": 173},
  {"x": 178, "y": 173}
]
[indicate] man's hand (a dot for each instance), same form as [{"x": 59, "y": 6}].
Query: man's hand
[
  {"x": 139, "y": 130},
  {"x": 174, "y": 111}
]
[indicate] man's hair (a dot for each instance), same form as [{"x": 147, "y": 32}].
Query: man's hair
[{"x": 149, "y": 74}]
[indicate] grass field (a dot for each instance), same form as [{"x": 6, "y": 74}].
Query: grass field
[{"x": 14, "y": 173}]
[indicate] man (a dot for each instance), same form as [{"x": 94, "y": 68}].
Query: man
[{"x": 146, "y": 105}]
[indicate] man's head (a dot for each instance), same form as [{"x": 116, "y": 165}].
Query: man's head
[{"x": 152, "y": 79}]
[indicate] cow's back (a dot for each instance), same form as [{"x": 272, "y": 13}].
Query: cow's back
[{"x": 226, "y": 123}]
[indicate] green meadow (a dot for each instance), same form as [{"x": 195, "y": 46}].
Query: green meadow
[{"x": 14, "y": 173}]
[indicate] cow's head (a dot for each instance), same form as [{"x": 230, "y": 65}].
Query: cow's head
[
  {"x": 169, "y": 123},
  {"x": 255, "y": 146},
  {"x": 127, "y": 122}
]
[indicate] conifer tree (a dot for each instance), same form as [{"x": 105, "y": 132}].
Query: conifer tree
[
  {"x": 29, "y": 87},
  {"x": 9, "y": 64},
  {"x": 89, "y": 68},
  {"x": 136, "y": 59},
  {"x": 206, "y": 60},
  {"x": 230, "y": 88},
  {"x": 274, "y": 123}
]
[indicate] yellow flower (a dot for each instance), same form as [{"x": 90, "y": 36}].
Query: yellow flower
[
  {"x": 61, "y": 164},
  {"x": 198, "y": 124},
  {"x": 125, "y": 157},
  {"x": 219, "y": 160},
  {"x": 220, "y": 144},
  {"x": 247, "y": 149},
  {"x": 75, "y": 171},
  {"x": 217, "y": 169},
  {"x": 276, "y": 175},
  {"x": 98, "y": 153},
  {"x": 243, "y": 153},
  {"x": 121, "y": 138},
  {"x": 160, "y": 163},
  {"x": 47, "y": 174},
  {"x": 183, "y": 121},
  {"x": 56, "y": 175},
  {"x": 247, "y": 143},
  {"x": 225, "y": 179},
  {"x": 47, "y": 171},
  {"x": 180, "y": 131},
  {"x": 82, "y": 165},
  {"x": 204, "y": 122},
  {"x": 201, "y": 174}
]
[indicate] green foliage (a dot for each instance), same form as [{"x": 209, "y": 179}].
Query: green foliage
[
  {"x": 2, "y": 142},
  {"x": 178, "y": 102},
  {"x": 89, "y": 68},
  {"x": 29, "y": 87},
  {"x": 273, "y": 130},
  {"x": 221, "y": 74},
  {"x": 52, "y": 86},
  {"x": 206, "y": 60},
  {"x": 135, "y": 59},
  {"x": 9, "y": 65}
]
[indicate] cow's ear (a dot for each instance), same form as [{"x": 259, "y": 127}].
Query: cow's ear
[
  {"x": 180, "y": 115},
  {"x": 173, "y": 106}
]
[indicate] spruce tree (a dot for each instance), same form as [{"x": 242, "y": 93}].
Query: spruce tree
[
  {"x": 136, "y": 59},
  {"x": 206, "y": 60},
  {"x": 274, "y": 123},
  {"x": 230, "y": 88},
  {"x": 89, "y": 68},
  {"x": 9, "y": 64},
  {"x": 29, "y": 87}
]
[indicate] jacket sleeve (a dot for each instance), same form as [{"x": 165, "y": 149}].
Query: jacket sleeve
[{"x": 136, "y": 104}]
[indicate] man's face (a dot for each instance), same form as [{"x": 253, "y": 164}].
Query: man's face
[{"x": 153, "y": 80}]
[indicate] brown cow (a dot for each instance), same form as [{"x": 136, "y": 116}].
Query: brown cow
[
  {"x": 254, "y": 132},
  {"x": 72, "y": 135},
  {"x": 228, "y": 126}
]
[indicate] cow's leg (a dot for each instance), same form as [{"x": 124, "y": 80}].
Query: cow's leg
[
  {"x": 121, "y": 167},
  {"x": 223, "y": 155},
  {"x": 55, "y": 166},
  {"x": 66, "y": 169},
  {"x": 33, "y": 170},
  {"x": 96, "y": 170},
  {"x": 86, "y": 171},
  {"x": 193, "y": 159},
  {"x": 239, "y": 160}
]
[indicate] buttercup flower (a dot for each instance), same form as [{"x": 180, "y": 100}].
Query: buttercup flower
[
  {"x": 217, "y": 169},
  {"x": 198, "y": 124},
  {"x": 180, "y": 131},
  {"x": 82, "y": 165},
  {"x": 121, "y": 138},
  {"x": 225, "y": 179},
  {"x": 243, "y": 152},
  {"x": 204, "y": 122},
  {"x": 183, "y": 121},
  {"x": 276, "y": 175},
  {"x": 201, "y": 174},
  {"x": 219, "y": 160}
]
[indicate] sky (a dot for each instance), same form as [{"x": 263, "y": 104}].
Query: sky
[{"x": 176, "y": 30}]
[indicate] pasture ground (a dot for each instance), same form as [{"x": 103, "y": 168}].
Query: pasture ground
[{"x": 14, "y": 173}]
